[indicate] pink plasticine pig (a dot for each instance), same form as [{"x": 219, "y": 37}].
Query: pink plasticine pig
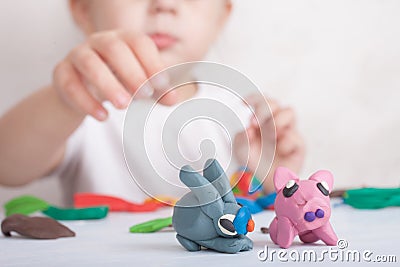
[{"x": 302, "y": 208}]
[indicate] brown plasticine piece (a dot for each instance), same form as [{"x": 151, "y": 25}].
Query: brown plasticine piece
[
  {"x": 35, "y": 227},
  {"x": 264, "y": 230},
  {"x": 337, "y": 193}
]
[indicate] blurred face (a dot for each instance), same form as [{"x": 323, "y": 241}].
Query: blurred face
[{"x": 183, "y": 30}]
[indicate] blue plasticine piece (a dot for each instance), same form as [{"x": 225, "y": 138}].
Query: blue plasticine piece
[{"x": 266, "y": 201}]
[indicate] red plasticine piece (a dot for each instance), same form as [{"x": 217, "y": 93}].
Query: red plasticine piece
[
  {"x": 245, "y": 182},
  {"x": 84, "y": 200}
]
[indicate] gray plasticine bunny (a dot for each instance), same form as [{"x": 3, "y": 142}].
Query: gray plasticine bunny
[{"x": 209, "y": 215}]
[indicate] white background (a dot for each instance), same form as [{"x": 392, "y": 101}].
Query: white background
[{"x": 336, "y": 62}]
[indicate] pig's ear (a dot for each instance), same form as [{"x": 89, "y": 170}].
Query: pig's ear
[
  {"x": 282, "y": 176},
  {"x": 325, "y": 179}
]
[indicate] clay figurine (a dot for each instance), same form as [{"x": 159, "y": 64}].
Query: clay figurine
[
  {"x": 209, "y": 216},
  {"x": 302, "y": 208}
]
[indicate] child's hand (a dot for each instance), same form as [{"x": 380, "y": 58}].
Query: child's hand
[
  {"x": 290, "y": 147},
  {"x": 109, "y": 66}
]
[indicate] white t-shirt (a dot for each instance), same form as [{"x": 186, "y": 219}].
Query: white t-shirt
[{"x": 94, "y": 159}]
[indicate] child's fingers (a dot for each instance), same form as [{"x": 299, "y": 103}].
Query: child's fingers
[
  {"x": 146, "y": 52},
  {"x": 168, "y": 99},
  {"x": 92, "y": 68},
  {"x": 246, "y": 136},
  {"x": 261, "y": 114},
  {"x": 262, "y": 111},
  {"x": 289, "y": 143},
  {"x": 149, "y": 57},
  {"x": 284, "y": 119},
  {"x": 69, "y": 84},
  {"x": 251, "y": 133},
  {"x": 120, "y": 59},
  {"x": 251, "y": 99},
  {"x": 255, "y": 99}
]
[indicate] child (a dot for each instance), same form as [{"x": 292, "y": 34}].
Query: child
[{"x": 53, "y": 130}]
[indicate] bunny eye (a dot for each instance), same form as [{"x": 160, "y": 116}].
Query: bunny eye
[
  {"x": 290, "y": 188},
  {"x": 323, "y": 187},
  {"x": 225, "y": 224}
]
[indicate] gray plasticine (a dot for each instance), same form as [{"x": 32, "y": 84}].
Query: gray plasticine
[{"x": 209, "y": 216}]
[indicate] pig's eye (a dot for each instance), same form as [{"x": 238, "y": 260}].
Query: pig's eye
[
  {"x": 323, "y": 187},
  {"x": 290, "y": 188}
]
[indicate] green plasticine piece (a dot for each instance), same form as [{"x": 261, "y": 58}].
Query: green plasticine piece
[
  {"x": 25, "y": 205},
  {"x": 372, "y": 198},
  {"x": 91, "y": 213},
  {"x": 151, "y": 226}
]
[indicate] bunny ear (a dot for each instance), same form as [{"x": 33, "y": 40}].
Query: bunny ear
[
  {"x": 215, "y": 174},
  {"x": 209, "y": 199},
  {"x": 324, "y": 177},
  {"x": 282, "y": 176}
]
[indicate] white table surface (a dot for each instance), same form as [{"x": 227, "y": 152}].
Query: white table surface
[{"x": 108, "y": 242}]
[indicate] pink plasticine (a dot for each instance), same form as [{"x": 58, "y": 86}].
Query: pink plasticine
[{"x": 302, "y": 208}]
